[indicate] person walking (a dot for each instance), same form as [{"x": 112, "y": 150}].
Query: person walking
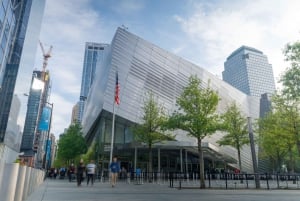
[
  {"x": 80, "y": 171},
  {"x": 114, "y": 169},
  {"x": 71, "y": 172},
  {"x": 90, "y": 171}
]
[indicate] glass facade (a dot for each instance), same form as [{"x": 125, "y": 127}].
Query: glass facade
[
  {"x": 7, "y": 26},
  {"x": 34, "y": 137},
  {"x": 248, "y": 70},
  {"x": 144, "y": 67},
  {"x": 93, "y": 55},
  {"x": 20, "y": 61}
]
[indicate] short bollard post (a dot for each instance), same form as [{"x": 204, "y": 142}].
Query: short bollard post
[
  {"x": 247, "y": 180},
  {"x": 277, "y": 177},
  {"x": 10, "y": 176},
  {"x": 20, "y": 183}
]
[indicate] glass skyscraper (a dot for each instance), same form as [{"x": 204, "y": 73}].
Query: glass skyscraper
[
  {"x": 143, "y": 67},
  {"x": 37, "y": 99},
  {"x": 248, "y": 70},
  {"x": 93, "y": 55},
  {"x": 7, "y": 27},
  {"x": 16, "y": 68}
]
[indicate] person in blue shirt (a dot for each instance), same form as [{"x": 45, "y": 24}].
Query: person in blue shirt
[{"x": 114, "y": 169}]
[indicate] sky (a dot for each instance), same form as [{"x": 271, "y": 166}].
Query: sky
[{"x": 203, "y": 32}]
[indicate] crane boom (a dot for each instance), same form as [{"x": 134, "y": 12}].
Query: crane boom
[{"x": 46, "y": 56}]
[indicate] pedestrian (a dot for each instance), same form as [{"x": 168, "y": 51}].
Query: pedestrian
[
  {"x": 114, "y": 169},
  {"x": 71, "y": 172},
  {"x": 80, "y": 171},
  {"x": 90, "y": 171}
]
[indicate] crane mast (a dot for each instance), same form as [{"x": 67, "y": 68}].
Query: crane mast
[{"x": 46, "y": 56}]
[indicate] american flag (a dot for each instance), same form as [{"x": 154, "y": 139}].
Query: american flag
[{"x": 117, "y": 90}]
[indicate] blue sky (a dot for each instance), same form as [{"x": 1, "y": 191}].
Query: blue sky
[{"x": 203, "y": 32}]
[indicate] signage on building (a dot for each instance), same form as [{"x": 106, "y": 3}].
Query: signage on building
[{"x": 44, "y": 124}]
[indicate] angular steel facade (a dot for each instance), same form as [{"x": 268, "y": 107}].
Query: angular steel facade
[{"x": 144, "y": 67}]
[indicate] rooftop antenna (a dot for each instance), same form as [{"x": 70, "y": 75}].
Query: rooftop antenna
[{"x": 124, "y": 27}]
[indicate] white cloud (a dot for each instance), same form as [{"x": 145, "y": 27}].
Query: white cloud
[
  {"x": 217, "y": 30},
  {"x": 128, "y": 6},
  {"x": 211, "y": 33},
  {"x": 67, "y": 25},
  {"x": 61, "y": 113}
]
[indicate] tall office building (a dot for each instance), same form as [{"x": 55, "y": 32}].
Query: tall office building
[
  {"x": 33, "y": 139},
  {"x": 16, "y": 68},
  {"x": 7, "y": 27},
  {"x": 93, "y": 55},
  {"x": 248, "y": 70},
  {"x": 75, "y": 114}
]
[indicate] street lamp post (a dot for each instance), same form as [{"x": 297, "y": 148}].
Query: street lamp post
[{"x": 252, "y": 146}]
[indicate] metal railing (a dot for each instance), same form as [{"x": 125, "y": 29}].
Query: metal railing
[{"x": 212, "y": 180}]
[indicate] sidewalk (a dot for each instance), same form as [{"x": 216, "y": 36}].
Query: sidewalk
[{"x": 62, "y": 190}]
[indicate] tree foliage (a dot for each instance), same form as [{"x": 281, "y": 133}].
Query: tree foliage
[
  {"x": 235, "y": 124},
  {"x": 197, "y": 115},
  {"x": 291, "y": 78},
  {"x": 71, "y": 144},
  {"x": 279, "y": 132},
  {"x": 280, "y": 129},
  {"x": 151, "y": 131},
  {"x": 91, "y": 153},
  {"x": 274, "y": 139}
]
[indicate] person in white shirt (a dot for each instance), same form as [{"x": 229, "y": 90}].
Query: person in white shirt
[{"x": 90, "y": 171}]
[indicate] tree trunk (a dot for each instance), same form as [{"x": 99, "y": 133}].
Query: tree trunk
[
  {"x": 150, "y": 164},
  {"x": 201, "y": 163},
  {"x": 240, "y": 159},
  {"x": 291, "y": 161}
]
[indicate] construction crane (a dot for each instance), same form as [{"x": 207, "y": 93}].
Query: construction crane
[{"x": 46, "y": 56}]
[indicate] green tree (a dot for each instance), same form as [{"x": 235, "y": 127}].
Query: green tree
[
  {"x": 278, "y": 132},
  {"x": 150, "y": 131},
  {"x": 72, "y": 144},
  {"x": 290, "y": 94},
  {"x": 197, "y": 115},
  {"x": 235, "y": 124},
  {"x": 91, "y": 153},
  {"x": 273, "y": 139},
  {"x": 291, "y": 77}
]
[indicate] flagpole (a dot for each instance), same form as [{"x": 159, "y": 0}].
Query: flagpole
[
  {"x": 116, "y": 101},
  {"x": 112, "y": 135}
]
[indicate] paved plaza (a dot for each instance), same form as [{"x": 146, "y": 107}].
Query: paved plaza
[{"x": 62, "y": 190}]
